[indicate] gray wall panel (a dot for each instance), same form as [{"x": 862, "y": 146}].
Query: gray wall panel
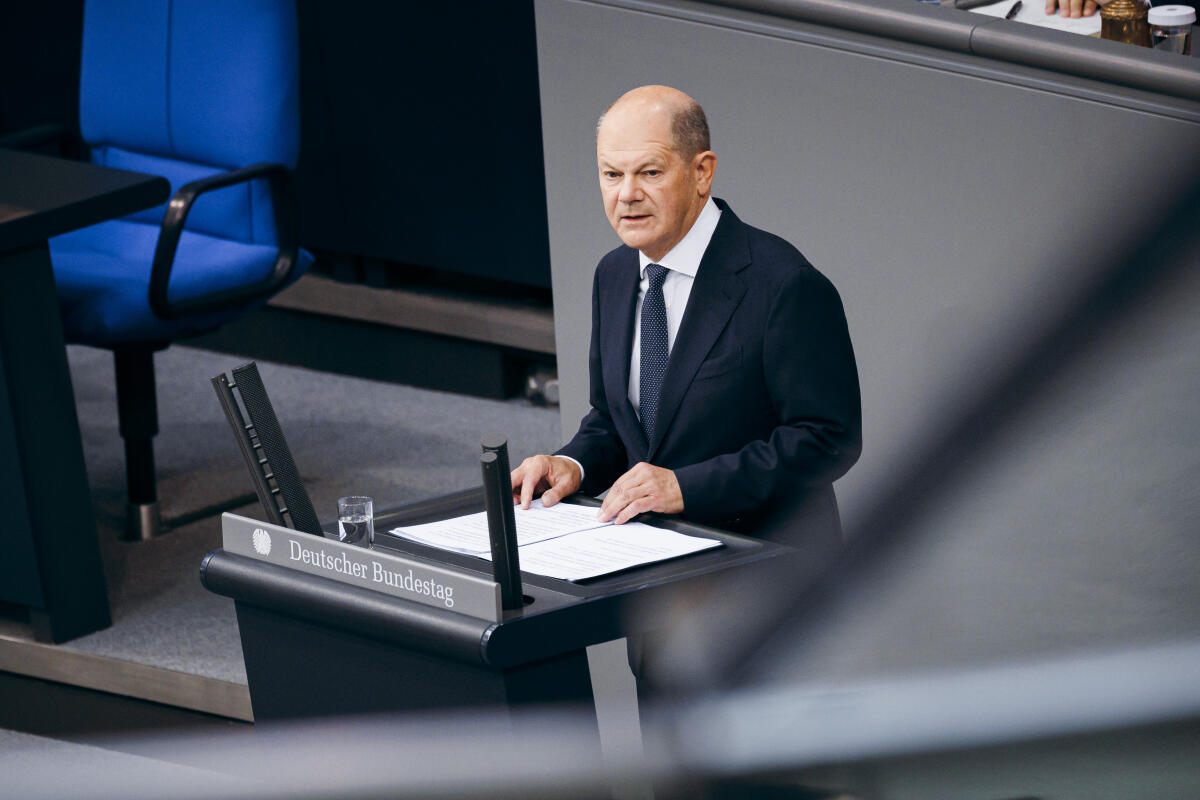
[
  {"x": 954, "y": 201},
  {"x": 947, "y": 209}
]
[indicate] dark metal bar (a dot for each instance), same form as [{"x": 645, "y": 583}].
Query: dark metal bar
[
  {"x": 495, "y": 443},
  {"x": 224, "y": 389},
  {"x": 274, "y": 445},
  {"x": 502, "y": 530}
]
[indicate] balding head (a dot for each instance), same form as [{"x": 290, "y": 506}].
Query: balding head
[
  {"x": 655, "y": 167},
  {"x": 689, "y": 126}
]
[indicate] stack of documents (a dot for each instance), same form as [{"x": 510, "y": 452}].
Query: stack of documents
[{"x": 563, "y": 541}]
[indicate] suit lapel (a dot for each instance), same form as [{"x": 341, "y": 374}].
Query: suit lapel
[
  {"x": 716, "y": 293},
  {"x": 621, "y": 301}
]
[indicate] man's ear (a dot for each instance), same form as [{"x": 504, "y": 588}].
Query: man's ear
[{"x": 704, "y": 166}]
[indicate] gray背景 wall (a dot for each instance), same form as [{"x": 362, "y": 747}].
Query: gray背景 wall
[{"x": 956, "y": 202}]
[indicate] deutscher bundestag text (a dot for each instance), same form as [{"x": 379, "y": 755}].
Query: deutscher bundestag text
[{"x": 376, "y": 572}]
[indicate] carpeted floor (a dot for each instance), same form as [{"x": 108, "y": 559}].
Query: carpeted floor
[{"x": 348, "y": 435}]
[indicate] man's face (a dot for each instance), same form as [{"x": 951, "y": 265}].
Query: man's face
[{"x": 652, "y": 195}]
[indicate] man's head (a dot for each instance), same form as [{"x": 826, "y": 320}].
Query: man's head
[{"x": 656, "y": 168}]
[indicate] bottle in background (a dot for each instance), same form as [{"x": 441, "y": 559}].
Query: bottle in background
[
  {"x": 1125, "y": 21},
  {"x": 1171, "y": 28}
]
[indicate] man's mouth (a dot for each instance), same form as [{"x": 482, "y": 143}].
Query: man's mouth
[{"x": 635, "y": 217}]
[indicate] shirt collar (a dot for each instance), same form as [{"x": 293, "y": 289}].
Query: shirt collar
[{"x": 685, "y": 256}]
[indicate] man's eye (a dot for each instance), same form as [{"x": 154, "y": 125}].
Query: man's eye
[
  {"x": 610, "y": 175},
  {"x": 652, "y": 173}
]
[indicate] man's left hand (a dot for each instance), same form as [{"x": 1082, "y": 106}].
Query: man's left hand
[{"x": 644, "y": 488}]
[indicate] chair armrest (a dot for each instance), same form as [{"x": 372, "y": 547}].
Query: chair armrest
[
  {"x": 68, "y": 144},
  {"x": 283, "y": 199}
]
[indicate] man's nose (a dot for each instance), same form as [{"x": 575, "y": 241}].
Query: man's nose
[{"x": 630, "y": 191}]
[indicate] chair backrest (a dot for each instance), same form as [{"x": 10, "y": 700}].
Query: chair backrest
[{"x": 191, "y": 88}]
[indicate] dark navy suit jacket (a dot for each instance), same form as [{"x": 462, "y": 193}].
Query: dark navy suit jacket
[{"x": 760, "y": 409}]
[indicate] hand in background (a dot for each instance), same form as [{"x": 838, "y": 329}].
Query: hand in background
[
  {"x": 553, "y": 477},
  {"x": 1074, "y": 8},
  {"x": 644, "y": 488}
]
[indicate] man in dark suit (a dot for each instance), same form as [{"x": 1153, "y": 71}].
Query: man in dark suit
[{"x": 723, "y": 383}]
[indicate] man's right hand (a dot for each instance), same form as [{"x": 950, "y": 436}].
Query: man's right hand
[{"x": 553, "y": 477}]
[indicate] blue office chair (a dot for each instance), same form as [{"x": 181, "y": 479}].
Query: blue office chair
[{"x": 204, "y": 93}]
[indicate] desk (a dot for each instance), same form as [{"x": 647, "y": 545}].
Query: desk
[
  {"x": 316, "y": 647},
  {"x": 51, "y": 562}
]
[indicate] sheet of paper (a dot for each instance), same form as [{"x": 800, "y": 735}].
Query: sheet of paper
[
  {"x": 469, "y": 534},
  {"x": 612, "y": 548},
  {"x": 1033, "y": 12}
]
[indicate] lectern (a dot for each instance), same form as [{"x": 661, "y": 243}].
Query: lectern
[
  {"x": 332, "y": 628},
  {"x": 317, "y": 645}
]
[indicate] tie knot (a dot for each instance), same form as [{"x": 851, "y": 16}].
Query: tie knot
[{"x": 657, "y": 273}]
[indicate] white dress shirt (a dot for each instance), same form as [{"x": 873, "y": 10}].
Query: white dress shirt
[{"x": 683, "y": 262}]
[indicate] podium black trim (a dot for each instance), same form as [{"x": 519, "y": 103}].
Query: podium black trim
[{"x": 314, "y": 646}]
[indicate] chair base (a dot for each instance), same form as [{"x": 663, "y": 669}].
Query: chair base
[{"x": 142, "y": 522}]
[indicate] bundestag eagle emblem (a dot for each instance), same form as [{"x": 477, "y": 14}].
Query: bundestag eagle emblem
[{"x": 262, "y": 542}]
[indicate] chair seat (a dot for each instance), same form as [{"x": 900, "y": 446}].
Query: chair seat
[{"x": 102, "y": 273}]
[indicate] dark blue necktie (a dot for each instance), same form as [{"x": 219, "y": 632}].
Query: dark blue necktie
[{"x": 654, "y": 350}]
